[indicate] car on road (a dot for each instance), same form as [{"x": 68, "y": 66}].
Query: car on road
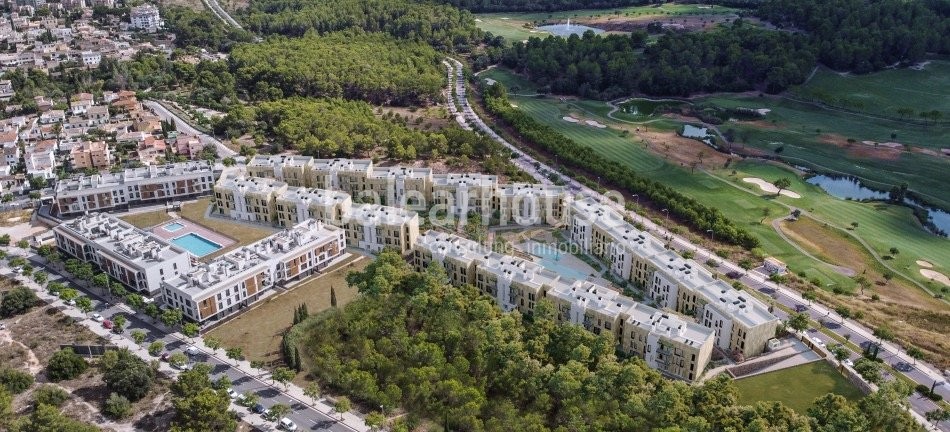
[
  {"x": 165, "y": 356},
  {"x": 848, "y": 362},
  {"x": 262, "y": 410},
  {"x": 192, "y": 351},
  {"x": 107, "y": 324},
  {"x": 287, "y": 424},
  {"x": 232, "y": 394},
  {"x": 184, "y": 366},
  {"x": 734, "y": 275},
  {"x": 800, "y": 308},
  {"x": 818, "y": 341},
  {"x": 96, "y": 317}
]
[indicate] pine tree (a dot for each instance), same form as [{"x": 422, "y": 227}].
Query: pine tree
[{"x": 296, "y": 365}]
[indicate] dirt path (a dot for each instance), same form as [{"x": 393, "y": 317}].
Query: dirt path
[{"x": 32, "y": 362}]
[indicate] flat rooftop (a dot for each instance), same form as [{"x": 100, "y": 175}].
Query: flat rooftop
[
  {"x": 530, "y": 189},
  {"x": 135, "y": 246},
  {"x": 164, "y": 172},
  {"x": 740, "y": 306},
  {"x": 396, "y": 172},
  {"x": 342, "y": 164},
  {"x": 280, "y": 161},
  {"x": 669, "y": 325},
  {"x": 250, "y": 185},
  {"x": 466, "y": 179},
  {"x": 308, "y": 196},
  {"x": 444, "y": 245},
  {"x": 374, "y": 214}
]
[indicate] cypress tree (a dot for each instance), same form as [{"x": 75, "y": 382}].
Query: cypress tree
[{"x": 332, "y": 297}]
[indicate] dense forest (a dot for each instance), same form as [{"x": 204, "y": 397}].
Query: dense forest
[
  {"x": 342, "y": 128},
  {"x": 863, "y": 36},
  {"x": 444, "y": 27},
  {"x": 694, "y": 214},
  {"x": 451, "y": 355},
  {"x": 202, "y": 30},
  {"x": 370, "y": 67},
  {"x": 736, "y": 59},
  {"x": 543, "y": 5}
]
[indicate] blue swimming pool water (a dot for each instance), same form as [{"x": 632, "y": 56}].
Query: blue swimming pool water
[
  {"x": 174, "y": 226},
  {"x": 550, "y": 258},
  {"x": 196, "y": 244}
]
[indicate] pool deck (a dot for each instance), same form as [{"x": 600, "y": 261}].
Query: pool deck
[{"x": 191, "y": 228}]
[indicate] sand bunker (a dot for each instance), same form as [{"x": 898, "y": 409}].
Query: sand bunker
[
  {"x": 769, "y": 187},
  {"x": 570, "y": 119},
  {"x": 925, "y": 264},
  {"x": 595, "y": 124},
  {"x": 490, "y": 81},
  {"x": 513, "y": 105},
  {"x": 935, "y": 275},
  {"x": 888, "y": 144}
]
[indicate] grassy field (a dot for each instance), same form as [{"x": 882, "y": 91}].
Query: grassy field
[
  {"x": 513, "y": 25},
  {"x": 796, "y": 387},
  {"x": 884, "y": 92},
  {"x": 147, "y": 220},
  {"x": 258, "y": 331}
]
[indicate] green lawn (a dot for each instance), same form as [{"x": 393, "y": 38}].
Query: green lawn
[
  {"x": 886, "y": 91},
  {"x": 511, "y": 25},
  {"x": 796, "y": 387}
]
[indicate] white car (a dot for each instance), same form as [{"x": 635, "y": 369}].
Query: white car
[
  {"x": 818, "y": 341},
  {"x": 848, "y": 362},
  {"x": 287, "y": 424},
  {"x": 71, "y": 302},
  {"x": 191, "y": 351},
  {"x": 232, "y": 394},
  {"x": 96, "y": 317}
]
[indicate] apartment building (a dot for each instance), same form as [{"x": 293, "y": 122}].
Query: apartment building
[
  {"x": 347, "y": 175},
  {"x": 145, "y": 17},
  {"x": 138, "y": 259},
  {"x": 134, "y": 186},
  {"x": 677, "y": 347},
  {"x": 298, "y": 204},
  {"x": 743, "y": 324},
  {"x": 289, "y": 169},
  {"x": 676, "y": 281},
  {"x": 374, "y": 227},
  {"x": 91, "y": 154},
  {"x": 530, "y": 204},
  {"x": 214, "y": 290},
  {"x": 460, "y": 194},
  {"x": 40, "y": 159},
  {"x": 398, "y": 186},
  {"x": 248, "y": 198}
]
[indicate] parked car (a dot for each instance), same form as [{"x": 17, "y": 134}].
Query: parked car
[
  {"x": 71, "y": 302},
  {"x": 96, "y": 317},
  {"x": 262, "y": 410},
  {"x": 734, "y": 275},
  {"x": 192, "y": 351},
  {"x": 818, "y": 341},
  {"x": 107, "y": 324},
  {"x": 848, "y": 362},
  {"x": 165, "y": 356},
  {"x": 232, "y": 394},
  {"x": 184, "y": 366},
  {"x": 287, "y": 424}
]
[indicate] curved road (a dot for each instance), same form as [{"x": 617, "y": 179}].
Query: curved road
[
  {"x": 182, "y": 126},
  {"x": 919, "y": 372}
]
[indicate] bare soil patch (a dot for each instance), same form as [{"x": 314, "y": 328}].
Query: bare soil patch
[
  {"x": 258, "y": 331},
  {"x": 861, "y": 150},
  {"x": 681, "y": 150},
  {"x": 423, "y": 118},
  {"x": 613, "y": 23}
]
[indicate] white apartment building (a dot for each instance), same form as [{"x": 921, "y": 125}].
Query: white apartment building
[
  {"x": 214, "y": 290},
  {"x": 146, "y": 17},
  {"x": 460, "y": 194},
  {"x": 289, "y": 169},
  {"x": 530, "y": 204},
  {"x": 374, "y": 227},
  {"x": 248, "y": 198},
  {"x": 132, "y": 256},
  {"x": 298, "y": 204},
  {"x": 345, "y": 175},
  {"x": 40, "y": 160},
  {"x": 134, "y": 186}
]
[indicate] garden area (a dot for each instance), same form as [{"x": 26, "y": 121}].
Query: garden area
[{"x": 797, "y": 387}]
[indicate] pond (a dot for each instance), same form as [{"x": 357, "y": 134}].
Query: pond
[
  {"x": 690, "y": 131},
  {"x": 565, "y": 30},
  {"x": 851, "y": 188},
  {"x": 645, "y": 107}
]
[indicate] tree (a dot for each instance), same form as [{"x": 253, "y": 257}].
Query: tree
[
  {"x": 283, "y": 375},
  {"x": 236, "y": 354},
  {"x": 841, "y": 353},
  {"x": 84, "y": 304},
  {"x": 798, "y": 322},
  {"x": 191, "y": 382},
  {"x": 17, "y": 301},
  {"x": 870, "y": 370},
  {"x": 782, "y": 184},
  {"x": 342, "y": 405},
  {"x": 833, "y": 412},
  {"x": 50, "y": 395},
  {"x": 250, "y": 399},
  {"x": 40, "y": 278},
  {"x": 278, "y": 411},
  {"x": 6, "y": 407},
  {"x": 177, "y": 359},
  {"x": 312, "y": 391},
  {"x": 222, "y": 383},
  {"x": 118, "y": 323},
  {"x": 65, "y": 364},
  {"x": 190, "y": 329},
  {"x": 152, "y": 311},
  {"x": 170, "y": 317},
  {"x": 206, "y": 410},
  {"x": 213, "y": 343},
  {"x": 116, "y": 289},
  {"x": 884, "y": 333},
  {"x": 138, "y": 336},
  {"x": 332, "y": 297},
  {"x": 117, "y": 406},
  {"x": 126, "y": 374},
  {"x": 938, "y": 415},
  {"x": 915, "y": 353},
  {"x": 48, "y": 418},
  {"x": 375, "y": 420},
  {"x": 100, "y": 281},
  {"x": 155, "y": 348},
  {"x": 5, "y": 240},
  {"x": 68, "y": 294}
]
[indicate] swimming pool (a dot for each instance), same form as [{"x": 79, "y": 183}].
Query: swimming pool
[
  {"x": 553, "y": 259},
  {"x": 174, "y": 226},
  {"x": 196, "y": 244}
]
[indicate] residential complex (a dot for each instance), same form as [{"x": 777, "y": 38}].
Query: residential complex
[
  {"x": 145, "y": 17},
  {"x": 211, "y": 291},
  {"x": 130, "y": 255},
  {"x": 134, "y": 186},
  {"x": 678, "y": 348}
]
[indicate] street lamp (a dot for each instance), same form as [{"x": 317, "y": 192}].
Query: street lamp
[
  {"x": 637, "y": 197},
  {"x": 667, "y": 213},
  {"x": 712, "y": 234}
]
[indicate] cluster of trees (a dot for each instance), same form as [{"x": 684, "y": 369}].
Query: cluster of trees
[
  {"x": 17, "y": 301},
  {"x": 202, "y": 29},
  {"x": 342, "y": 128},
  {"x": 694, "y": 214},
  {"x": 370, "y": 67},
  {"x": 739, "y": 58},
  {"x": 863, "y": 36},
  {"x": 544, "y": 5},
  {"x": 201, "y": 405},
  {"x": 441, "y": 26},
  {"x": 449, "y": 354}
]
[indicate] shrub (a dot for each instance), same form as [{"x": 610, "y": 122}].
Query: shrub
[
  {"x": 117, "y": 406},
  {"x": 50, "y": 395},
  {"x": 65, "y": 364},
  {"x": 15, "y": 381},
  {"x": 17, "y": 301}
]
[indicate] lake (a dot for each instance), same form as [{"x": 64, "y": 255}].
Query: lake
[{"x": 565, "y": 30}]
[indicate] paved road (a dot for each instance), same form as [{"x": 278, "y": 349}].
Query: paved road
[
  {"x": 223, "y": 15},
  {"x": 921, "y": 373},
  {"x": 182, "y": 126},
  {"x": 304, "y": 415}
]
